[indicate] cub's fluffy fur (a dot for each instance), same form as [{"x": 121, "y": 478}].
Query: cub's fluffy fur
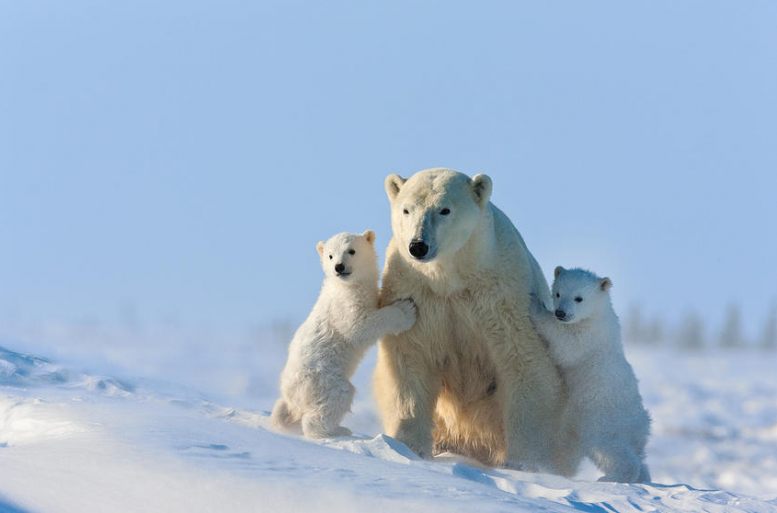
[
  {"x": 315, "y": 384},
  {"x": 604, "y": 418}
]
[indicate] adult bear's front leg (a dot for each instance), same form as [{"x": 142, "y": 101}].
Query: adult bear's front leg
[
  {"x": 530, "y": 390},
  {"x": 532, "y": 416},
  {"x": 406, "y": 389}
]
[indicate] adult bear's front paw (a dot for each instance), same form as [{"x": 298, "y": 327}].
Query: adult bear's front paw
[
  {"x": 418, "y": 442},
  {"x": 520, "y": 466},
  {"x": 423, "y": 450}
]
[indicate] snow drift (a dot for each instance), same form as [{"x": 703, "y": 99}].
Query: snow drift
[{"x": 82, "y": 441}]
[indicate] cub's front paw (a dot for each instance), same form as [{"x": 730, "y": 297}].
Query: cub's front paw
[{"x": 405, "y": 315}]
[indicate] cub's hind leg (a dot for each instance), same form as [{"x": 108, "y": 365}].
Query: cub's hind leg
[
  {"x": 281, "y": 416},
  {"x": 323, "y": 420}
]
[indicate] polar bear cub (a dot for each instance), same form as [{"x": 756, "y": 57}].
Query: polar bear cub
[
  {"x": 605, "y": 409},
  {"x": 326, "y": 349}
]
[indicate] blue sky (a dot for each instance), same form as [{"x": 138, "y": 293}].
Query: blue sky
[{"x": 183, "y": 158}]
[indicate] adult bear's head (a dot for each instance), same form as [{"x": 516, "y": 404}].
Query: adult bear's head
[{"x": 435, "y": 211}]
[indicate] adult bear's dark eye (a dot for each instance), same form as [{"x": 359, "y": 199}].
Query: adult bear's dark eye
[
  {"x": 579, "y": 299},
  {"x": 405, "y": 212},
  {"x": 351, "y": 251},
  {"x": 330, "y": 257},
  {"x": 445, "y": 211},
  {"x": 557, "y": 294}
]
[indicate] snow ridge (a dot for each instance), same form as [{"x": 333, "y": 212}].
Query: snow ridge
[{"x": 97, "y": 443}]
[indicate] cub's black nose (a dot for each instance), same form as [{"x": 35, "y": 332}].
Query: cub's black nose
[
  {"x": 339, "y": 268},
  {"x": 561, "y": 315},
  {"x": 418, "y": 249}
]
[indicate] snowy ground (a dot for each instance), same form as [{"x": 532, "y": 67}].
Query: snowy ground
[{"x": 156, "y": 420}]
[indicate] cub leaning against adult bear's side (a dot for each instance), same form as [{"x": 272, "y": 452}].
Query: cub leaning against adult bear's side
[
  {"x": 604, "y": 413},
  {"x": 316, "y": 391},
  {"x": 472, "y": 376}
]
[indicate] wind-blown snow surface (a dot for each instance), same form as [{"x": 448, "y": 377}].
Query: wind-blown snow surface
[{"x": 72, "y": 440}]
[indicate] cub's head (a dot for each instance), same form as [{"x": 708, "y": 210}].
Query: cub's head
[
  {"x": 350, "y": 257},
  {"x": 434, "y": 212},
  {"x": 579, "y": 294}
]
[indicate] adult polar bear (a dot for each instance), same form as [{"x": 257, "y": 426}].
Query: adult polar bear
[{"x": 472, "y": 375}]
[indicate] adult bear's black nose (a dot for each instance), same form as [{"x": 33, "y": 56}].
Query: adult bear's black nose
[
  {"x": 339, "y": 268},
  {"x": 418, "y": 248},
  {"x": 561, "y": 315}
]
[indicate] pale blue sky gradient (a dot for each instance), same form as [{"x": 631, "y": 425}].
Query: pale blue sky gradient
[{"x": 183, "y": 158}]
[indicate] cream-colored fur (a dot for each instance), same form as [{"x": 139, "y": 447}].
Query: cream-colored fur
[
  {"x": 326, "y": 349},
  {"x": 472, "y": 375},
  {"x": 604, "y": 418}
]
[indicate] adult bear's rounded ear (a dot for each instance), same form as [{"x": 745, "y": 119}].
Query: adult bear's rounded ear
[
  {"x": 393, "y": 184},
  {"x": 605, "y": 284},
  {"x": 369, "y": 236},
  {"x": 558, "y": 270},
  {"x": 320, "y": 248},
  {"x": 481, "y": 189}
]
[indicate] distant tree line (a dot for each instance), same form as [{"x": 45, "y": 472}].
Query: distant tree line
[{"x": 691, "y": 333}]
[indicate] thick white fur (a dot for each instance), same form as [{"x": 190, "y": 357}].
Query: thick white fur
[
  {"x": 472, "y": 376},
  {"x": 604, "y": 418},
  {"x": 326, "y": 349}
]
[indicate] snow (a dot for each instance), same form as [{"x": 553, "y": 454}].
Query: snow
[{"x": 155, "y": 421}]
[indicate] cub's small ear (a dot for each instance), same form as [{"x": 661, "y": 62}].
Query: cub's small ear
[
  {"x": 605, "y": 284},
  {"x": 320, "y": 248},
  {"x": 393, "y": 184},
  {"x": 481, "y": 189},
  {"x": 369, "y": 236},
  {"x": 558, "y": 271}
]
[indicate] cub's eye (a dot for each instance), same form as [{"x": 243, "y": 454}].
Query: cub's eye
[
  {"x": 330, "y": 257},
  {"x": 557, "y": 294},
  {"x": 405, "y": 211},
  {"x": 578, "y": 299},
  {"x": 445, "y": 211},
  {"x": 351, "y": 252}
]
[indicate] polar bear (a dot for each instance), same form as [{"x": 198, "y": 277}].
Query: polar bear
[
  {"x": 604, "y": 413},
  {"x": 472, "y": 376},
  {"x": 326, "y": 349}
]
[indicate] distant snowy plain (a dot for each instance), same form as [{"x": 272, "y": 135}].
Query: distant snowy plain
[{"x": 164, "y": 420}]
